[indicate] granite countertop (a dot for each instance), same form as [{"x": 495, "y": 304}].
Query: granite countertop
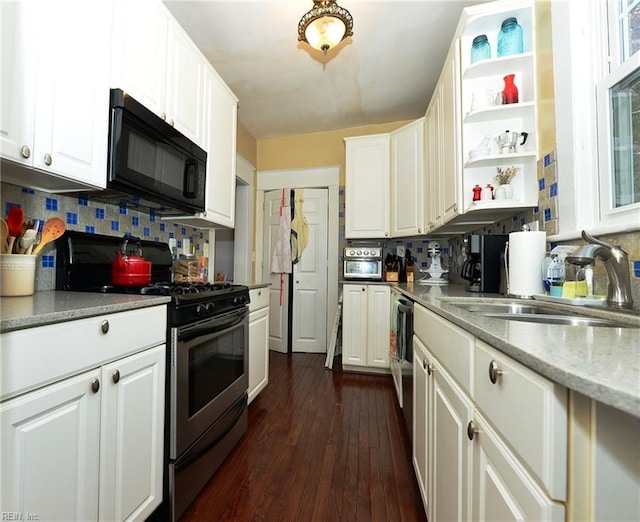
[
  {"x": 52, "y": 306},
  {"x": 601, "y": 363}
]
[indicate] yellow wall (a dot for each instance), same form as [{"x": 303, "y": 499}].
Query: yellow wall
[
  {"x": 246, "y": 145},
  {"x": 317, "y": 149},
  {"x": 544, "y": 57}
]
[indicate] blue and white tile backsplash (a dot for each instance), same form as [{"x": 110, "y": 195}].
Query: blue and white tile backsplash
[{"x": 85, "y": 215}]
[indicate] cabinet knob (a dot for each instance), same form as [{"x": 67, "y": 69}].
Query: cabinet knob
[
  {"x": 419, "y": 231},
  {"x": 26, "y": 151},
  {"x": 425, "y": 363},
  {"x": 95, "y": 385},
  {"x": 364, "y": 289},
  {"x": 48, "y": 159},
  {"x": 471, "y": 430},
  {"x": 116, "y": 376},
  {"x": 164, "y": 116},
  {"x": 171, "y": 122},
  {"x": 455, "y": 207},
  {"x": 386, "y": 234},
  {"x": 104, "y": 327},
  {"x": 429, "y": 368},
  {"x": 494, "y": 372},
  {"x": 259, "y": 292}
]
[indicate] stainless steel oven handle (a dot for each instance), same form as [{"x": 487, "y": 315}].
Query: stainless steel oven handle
[{"x": 213, "y": 325}]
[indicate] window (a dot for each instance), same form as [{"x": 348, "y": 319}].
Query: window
[{"x": 618, "y": 116}]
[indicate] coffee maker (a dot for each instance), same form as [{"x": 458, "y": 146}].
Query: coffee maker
[{"x": 484, "y": 264}]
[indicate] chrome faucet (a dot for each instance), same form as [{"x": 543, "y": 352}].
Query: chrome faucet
[{"x": 616, "y": 262}]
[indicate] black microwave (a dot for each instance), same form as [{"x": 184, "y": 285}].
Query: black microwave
[{"x": 150, "y": 163}]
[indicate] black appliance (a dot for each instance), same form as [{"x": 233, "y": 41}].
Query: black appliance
[
  {"x": 150, "y": 163},
  {"x": 483, "y": 268},
  {"x": 207, "y": 358}
]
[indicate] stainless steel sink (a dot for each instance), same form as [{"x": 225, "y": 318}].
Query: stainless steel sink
[
  {"x": 533, "y": 313},
  {"x": 559, "y": 318},
  {"x": 507, "y": 308}
]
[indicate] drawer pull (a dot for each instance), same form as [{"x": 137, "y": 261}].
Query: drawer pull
[
  {"x": 104, "y": 326},
  {"x": 95, "y": 385},
  {"x": 116, "y": 376},
  {"x": 494, "y": 372},
  {"x": 471, "y": 430}
]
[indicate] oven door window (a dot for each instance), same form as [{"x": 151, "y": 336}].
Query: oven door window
[
  {"x": 214, "y": 364},
  {"x": 368, "y": 268}
]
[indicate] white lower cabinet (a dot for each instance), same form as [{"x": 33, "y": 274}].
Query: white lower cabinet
[
  {"x": 50, "y": 448},
  {"x": 258, "y": 341},
  {"x": 482, "y": 451},
  {"x": 366, "y": 324},
  {"x": 87, "y": 446}
]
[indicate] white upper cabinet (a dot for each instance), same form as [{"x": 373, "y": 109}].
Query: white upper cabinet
[
  {"x": 55, "y": 93},
  {"x": 367, "y": 183},
  {"x": 158, "y": 65},
  {"x": 408, "y": 180},
  {"x": 220, "y": 138}
]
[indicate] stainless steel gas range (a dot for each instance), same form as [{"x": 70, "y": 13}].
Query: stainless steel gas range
[{"x": 207, "y": 357}]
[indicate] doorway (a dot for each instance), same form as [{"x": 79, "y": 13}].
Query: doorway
[{"x": 293, "y": 326}]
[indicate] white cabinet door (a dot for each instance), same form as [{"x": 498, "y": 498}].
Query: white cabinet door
[
  {"x": 502, "y": 490},
  {"x": 367, "y": 184},
  {"x": 354, "y": 325},
  {"x": 132, "y": 449},
  {"x": 49, "y": 451},
  {"x": 19, "y": 39},
  {"x": 422, "y": 424},
  {"x": 451, "y": 457},
  {"x": 185, "y": 84},
  {"x": 258, "y": 350},
  {"x": 432, "y": 148},
  {"x": 407, "y": 180},
  {"x": 139, "y": 61},
  {"x": 451, "y": 172},
  {"x": 57, "y": 101},
  {"x": 378, "y": 325},
  {"x": 222, "y": 116}
]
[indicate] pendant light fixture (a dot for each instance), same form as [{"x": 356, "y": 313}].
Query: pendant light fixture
[{"x": 325, "y": 26}]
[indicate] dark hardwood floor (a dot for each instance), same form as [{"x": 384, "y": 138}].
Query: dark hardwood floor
[{"x": 322, "y": 445}]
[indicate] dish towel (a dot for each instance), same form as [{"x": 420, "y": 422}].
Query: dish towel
[
  {"x": 299, "y": 227},
  {"x": 281, "y": 256}
]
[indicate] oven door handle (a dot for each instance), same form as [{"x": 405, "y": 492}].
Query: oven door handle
[{"x": 214, "y": 325}]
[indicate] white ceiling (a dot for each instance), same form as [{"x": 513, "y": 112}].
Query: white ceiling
[{"x": 386, "y": 72}]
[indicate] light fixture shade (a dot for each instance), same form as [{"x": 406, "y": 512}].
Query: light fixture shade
[{"x": 325, "y": 26}]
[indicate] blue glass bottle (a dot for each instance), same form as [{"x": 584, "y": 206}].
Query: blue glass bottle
[
  {"x": 510, "y": 38},
  {"x": 480, "y": 48}
]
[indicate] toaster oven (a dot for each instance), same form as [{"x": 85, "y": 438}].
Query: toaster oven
[{"x": 363, "y": 263}]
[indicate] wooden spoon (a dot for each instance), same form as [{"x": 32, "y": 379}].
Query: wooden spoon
[
  {"x": 4, "y": 235},
  {"x": 51, "y": 231}
]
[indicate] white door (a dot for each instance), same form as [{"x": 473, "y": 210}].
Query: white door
[
  {"x": 309, "y": 333},
  {"x": 279, "y": 293}
]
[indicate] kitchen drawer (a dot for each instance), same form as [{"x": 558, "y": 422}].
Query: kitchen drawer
[
  {"x": 259, "y": 298},
  {"x": 451, "y": 345},
  {"x": 529, "y": 411},
  {"x": 34, "y": 357}
]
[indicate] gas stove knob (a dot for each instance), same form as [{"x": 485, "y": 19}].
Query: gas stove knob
[
  {"x": 239, "y": 300},
  {"x": 359, "y": 252},
  {"x": 366, "y": 252},
  {"x": 352, "y": 252},
  {"x": 201, "y": 309},
  {"x": 210, "y": 307}
]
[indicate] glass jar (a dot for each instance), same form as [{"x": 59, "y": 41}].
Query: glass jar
[
  {"x": 510, "y": 38},
  {"x": 186, "y": 269},
  {"x": 480, "y": 48}
]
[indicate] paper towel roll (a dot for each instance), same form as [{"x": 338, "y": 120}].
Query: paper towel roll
[{"x": 526, "y": 256}]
